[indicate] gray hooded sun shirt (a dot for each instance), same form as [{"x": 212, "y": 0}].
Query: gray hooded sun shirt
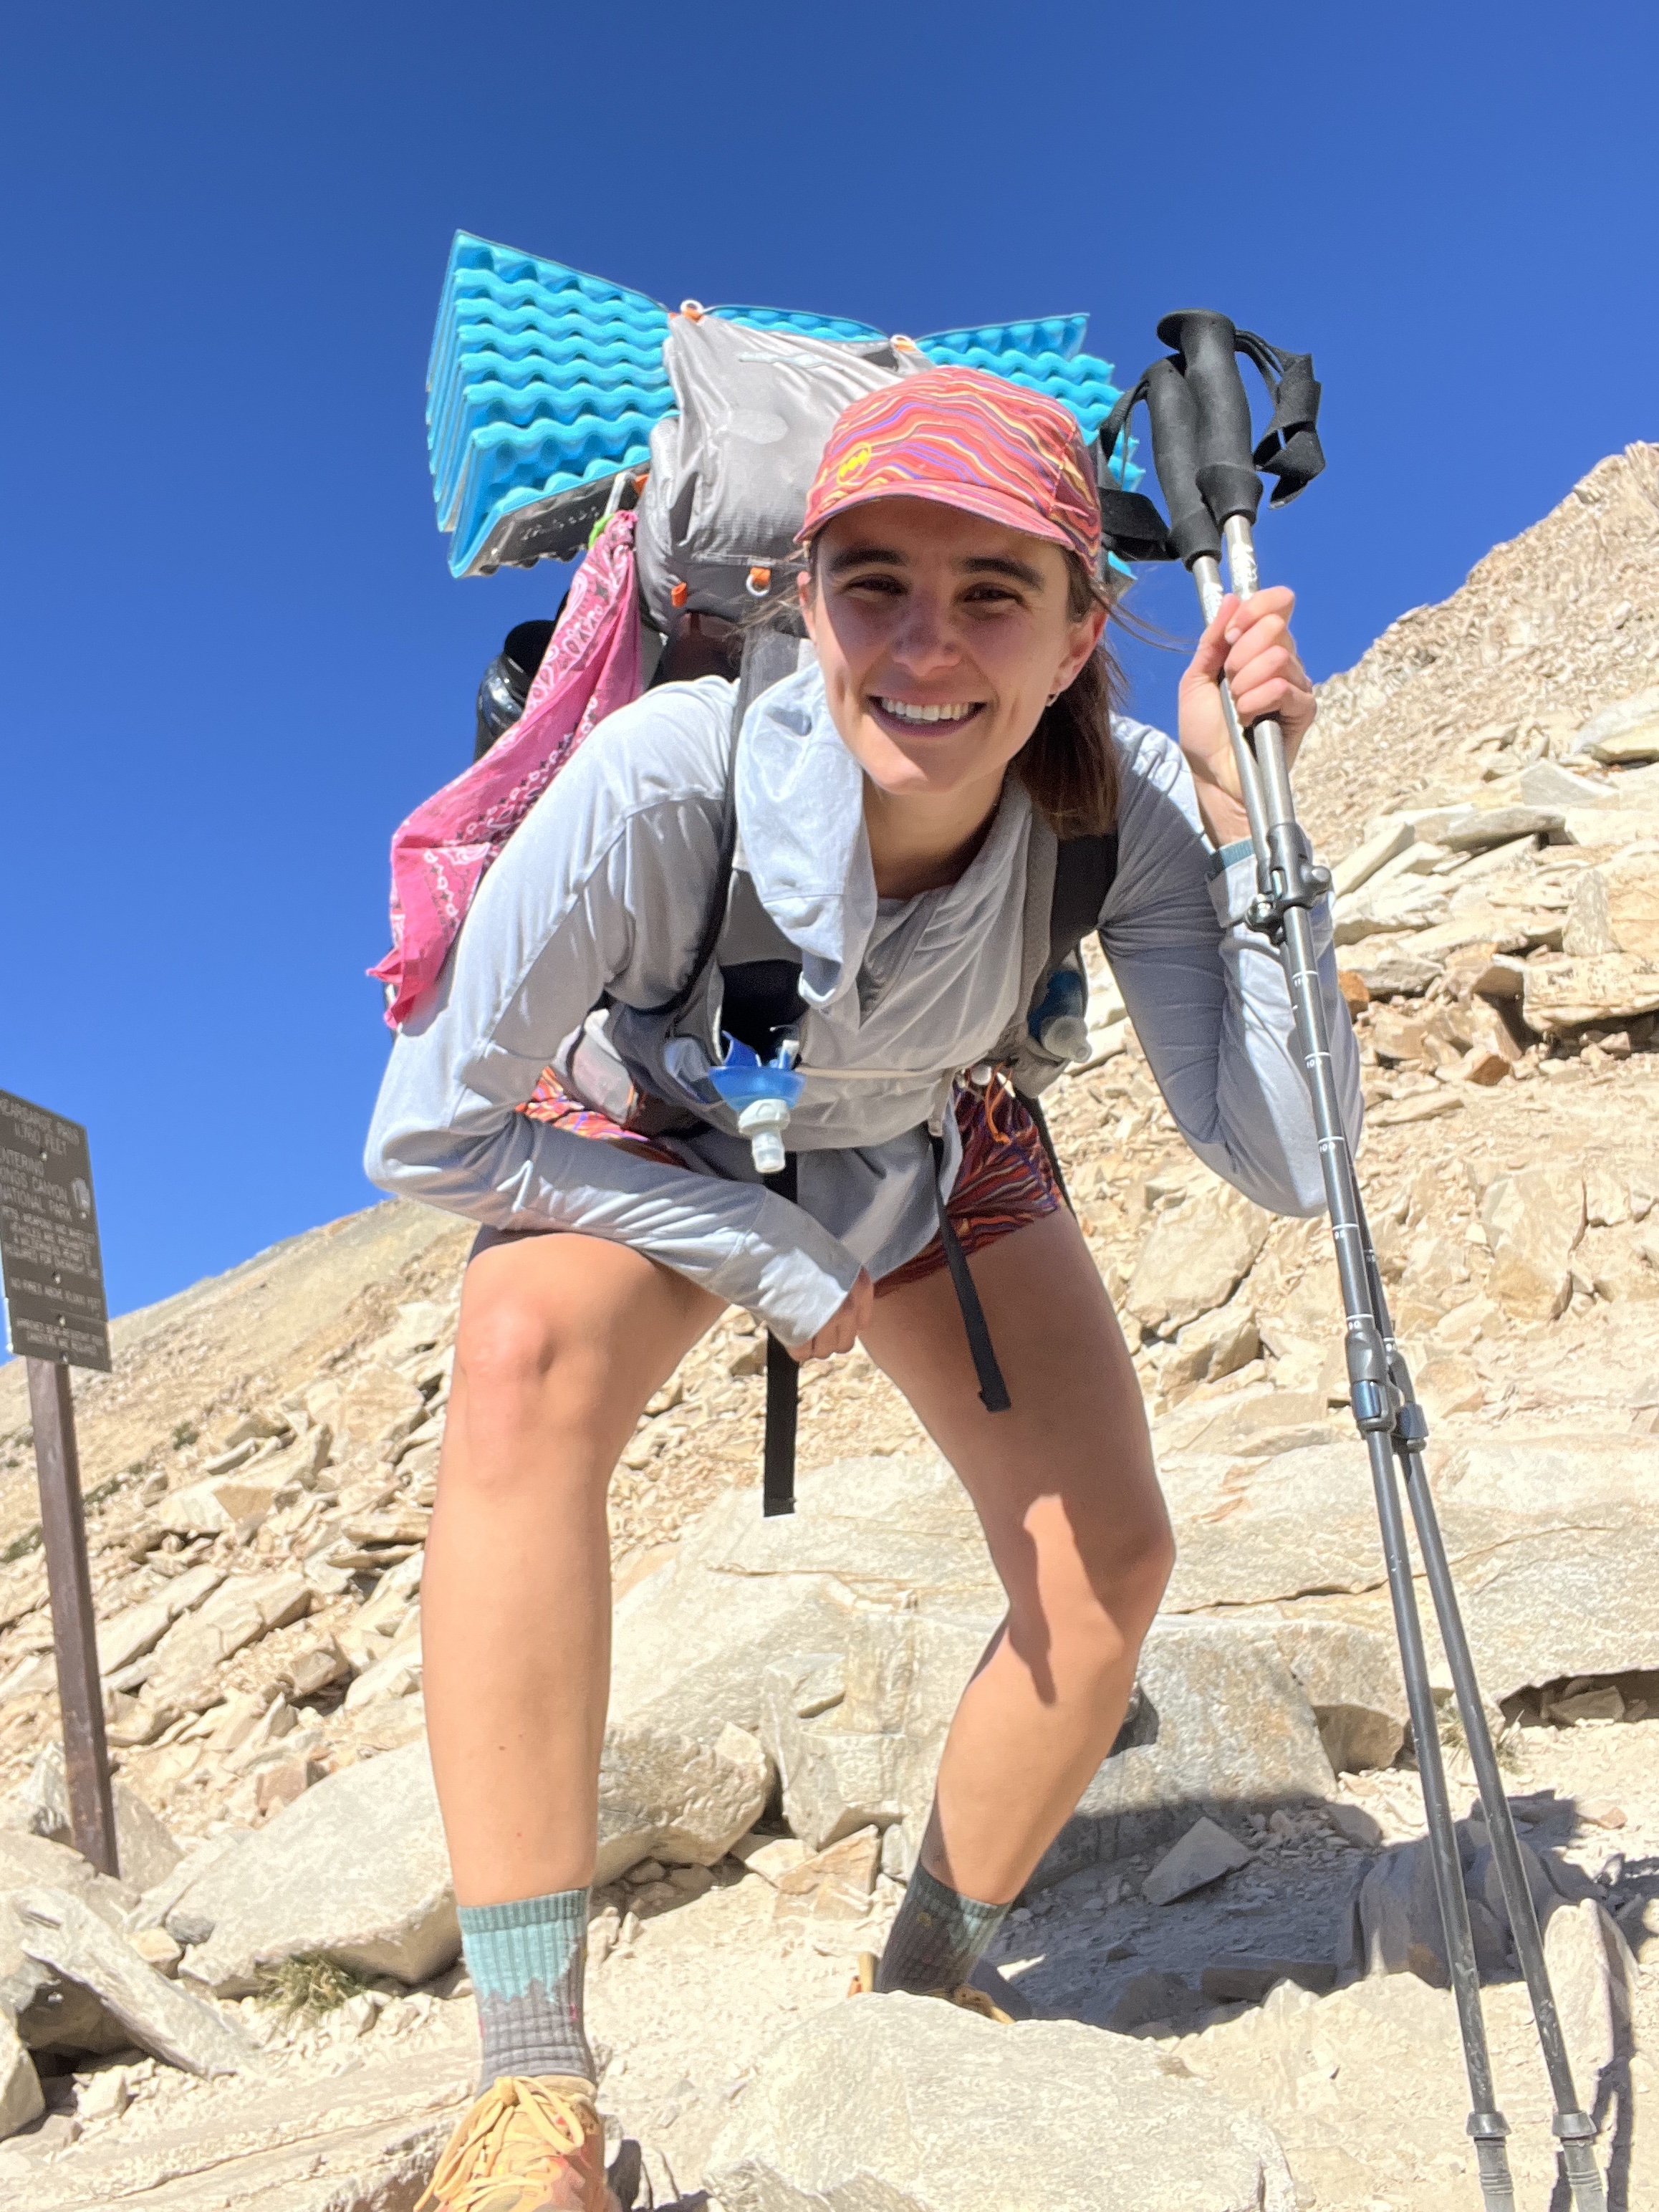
[{"x": 604, "y": 890}]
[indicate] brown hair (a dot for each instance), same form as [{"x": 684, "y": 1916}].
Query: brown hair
[{"x": 1069, "y": 762}]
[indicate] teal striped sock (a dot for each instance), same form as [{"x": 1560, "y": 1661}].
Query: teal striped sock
[
  {"x": 526, "y": 1960},
  {"x": 938, "y": 1939}
]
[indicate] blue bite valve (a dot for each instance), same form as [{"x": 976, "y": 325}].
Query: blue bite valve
[{"x": 764, "y": 1094}]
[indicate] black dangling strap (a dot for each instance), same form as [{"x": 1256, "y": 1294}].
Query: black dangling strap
[
  {"x": 782, "y": 1398},
  {"x": 993, "y": 1390},
  {"x": 782, "y": 1407},
  {"x": 1034, "y": 1108}
]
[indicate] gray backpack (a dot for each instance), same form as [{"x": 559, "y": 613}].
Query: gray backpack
[{"x": 731, "y": 472}]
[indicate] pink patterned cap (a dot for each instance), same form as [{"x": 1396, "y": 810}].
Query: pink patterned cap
[{"x": 967, "y": 439}]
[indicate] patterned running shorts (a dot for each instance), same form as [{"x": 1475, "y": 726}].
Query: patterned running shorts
[{"x": 1004, "y": 1182}]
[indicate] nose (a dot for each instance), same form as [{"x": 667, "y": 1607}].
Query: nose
[{"x": 923, "y": 642}]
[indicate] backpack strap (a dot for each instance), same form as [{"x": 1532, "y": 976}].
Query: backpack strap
[
  {"x": 768, "y": 655},
  {"x": 1085, "y": 871}
]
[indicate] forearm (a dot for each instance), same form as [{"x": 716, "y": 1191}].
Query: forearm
[{"x": 740, "y": 1241}]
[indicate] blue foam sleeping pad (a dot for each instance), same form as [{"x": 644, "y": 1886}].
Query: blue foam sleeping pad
[{"x": 543, "y": 380}]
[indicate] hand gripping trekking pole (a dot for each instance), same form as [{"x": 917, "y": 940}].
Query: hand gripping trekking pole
[{"x": 1201, "y": 451}]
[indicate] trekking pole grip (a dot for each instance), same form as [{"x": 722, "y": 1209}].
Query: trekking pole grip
[
  {"x": 1173, "y": 413},
  {"x": 1207, "y": 343}
]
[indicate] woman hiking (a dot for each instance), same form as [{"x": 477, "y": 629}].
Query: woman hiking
[{"x": 890, "y": 797}]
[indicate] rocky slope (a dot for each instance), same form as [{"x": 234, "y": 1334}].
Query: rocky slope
[
  {"x": 1548, "y": 628},
  {"x": 1239, "y": 1903}
]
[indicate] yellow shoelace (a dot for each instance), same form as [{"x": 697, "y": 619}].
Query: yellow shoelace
[{"x": 502, "y": 2152}]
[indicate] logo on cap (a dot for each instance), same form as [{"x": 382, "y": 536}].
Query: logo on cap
[{"x": 854, "y": 466}]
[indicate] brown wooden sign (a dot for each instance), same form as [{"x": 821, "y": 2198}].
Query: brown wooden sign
[
  {"x": 56, "y": 1317},
  {"x": 54, "y": 1272}
]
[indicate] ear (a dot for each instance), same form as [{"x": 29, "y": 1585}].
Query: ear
[
  {"x": 1082, "y": 638},
  {"x": 809, "y": 610}
]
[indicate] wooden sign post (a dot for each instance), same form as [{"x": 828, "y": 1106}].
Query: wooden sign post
[{"x": 57, "y": 1318}]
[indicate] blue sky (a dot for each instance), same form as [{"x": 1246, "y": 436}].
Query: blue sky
[{"x": 231, "y": 653}]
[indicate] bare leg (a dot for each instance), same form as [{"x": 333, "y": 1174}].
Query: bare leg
[
  {"x": 561, "y": 1340},
  {"x": 1065, "y": 1490}
]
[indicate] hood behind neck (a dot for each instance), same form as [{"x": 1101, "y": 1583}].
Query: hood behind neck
[{"x": 802, "y": 838}]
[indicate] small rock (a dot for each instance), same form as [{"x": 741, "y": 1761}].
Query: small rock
[
  {"x": 833, "y": 1884},
  {"x": 377, "y": 1409},
  {"x": 1154, "y": 1999},
  {"x": 1213, "y": 1345},
  {"x": 420, "y": 1323},
  {"x": 1592, "y": 1974},
  {"x": 1358, "y": 867},
  {"x": 647, "y": 1870},
  {"x": 358, "y": 2014},
  {"x": 1194, "y": 1259},
  {"x": 1601, "y": 1812},
  {"x": 145, "y": 1848},
  {"x": 1486, "y": 1065},
  {"x": 106, "y": 2095},
  {"x": 279, "y": 1786},
  {"x": 1449, "y": 1384},
  {"x": 1204, "y": 1854},
  {"x": 1354, "y": 1822},
  {"x": 317, "y": 1667},
  {"x": 310, "y": 1456},
  {"x": 227, "y": 1462},
  {"x": 397, "y": 1674},
  {"x": 1625, "y": 731},
  {"x": 186, "y": 1662},
  {"x": 1610, "y": 827},
  {"x": 1563, "y": 992},
  {"x": 692, "y": 1880},
  {"x": 1247, "y": 1980},
  {"x": 1638, "y": 1923},
  {"x": 21, "y": 2099},
  {"x": 155, "y": 2014},
  {"x": 1420, "y": 1106},
  {"x": 1605, "y": 1702},
  {"x": 770, "y": 1857},
  {"x": 157, "y": 1949},
  {"x": 1534, "y": 1219},
  {"x": 1476, "y": 828},
  {"x": 1388, "y": 968}
]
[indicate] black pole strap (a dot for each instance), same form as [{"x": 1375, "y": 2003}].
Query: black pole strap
[
  {"x": 1201, "y": 448},
  {"x": 993, "y": 1390}
]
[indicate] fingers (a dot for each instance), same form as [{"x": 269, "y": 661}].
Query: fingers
[
  {"x": 1263, "y": 669},
  {"x": 1210, "y": 657},
  {"x": 841, "y": 1332}
]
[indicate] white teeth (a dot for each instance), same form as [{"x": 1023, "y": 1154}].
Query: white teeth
[{"x": 907, "y": 713}]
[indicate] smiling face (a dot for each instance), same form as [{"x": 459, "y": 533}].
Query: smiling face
[{"x": 942, "y": 637}]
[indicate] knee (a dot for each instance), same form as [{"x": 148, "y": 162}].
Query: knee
[
  {"x": 1098, "y": 1594},
  {"x": 522, "y": 1375},
  {"x": 1131, "y": 1582},
  {"x": 505, "y": 1351}
]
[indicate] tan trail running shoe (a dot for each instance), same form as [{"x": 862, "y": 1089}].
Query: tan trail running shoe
[
  {"x": 965, "y": 1994},
  {"x": 525, "y": 2145}
]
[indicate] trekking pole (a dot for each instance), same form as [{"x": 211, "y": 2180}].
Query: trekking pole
[{"x": 1202, "y": 453}]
